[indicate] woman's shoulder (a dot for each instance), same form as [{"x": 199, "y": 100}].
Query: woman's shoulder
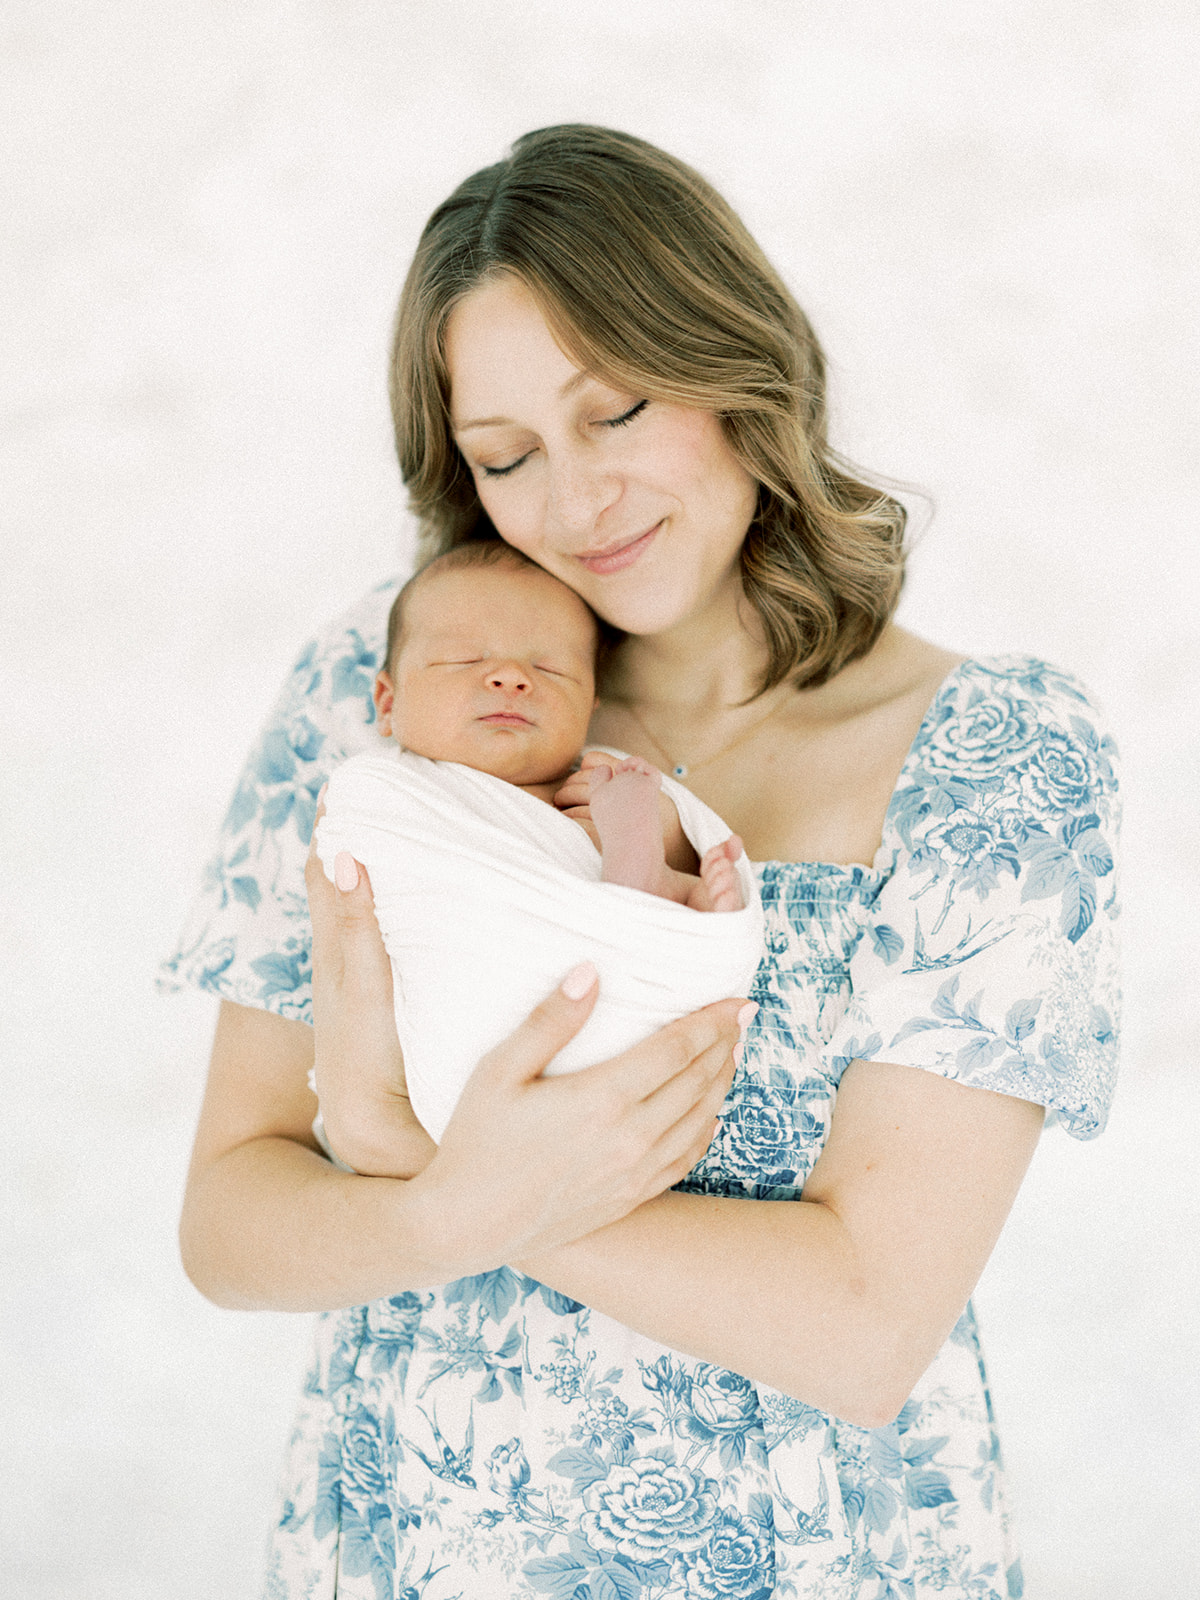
[
  {"x": 247, "y": 937},
  {"x": 999, "y": 704},
  {"x": 327, "y": 693},
  {"x": 348, "y": 647},
  {"x": 1009, "y": 729}
]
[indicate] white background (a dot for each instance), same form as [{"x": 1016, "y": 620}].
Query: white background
[{"x": 208, "y": 210}]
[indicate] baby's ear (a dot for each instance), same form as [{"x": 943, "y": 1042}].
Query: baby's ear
[{"x": 384, "y": 696}]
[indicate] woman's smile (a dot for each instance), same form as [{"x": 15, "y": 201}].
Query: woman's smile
[{"x": 619, "y": 556}]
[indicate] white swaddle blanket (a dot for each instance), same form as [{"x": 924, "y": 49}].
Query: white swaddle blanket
[{"x": 487, "y": 896}]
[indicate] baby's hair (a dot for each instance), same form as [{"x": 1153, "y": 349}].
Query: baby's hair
[{"x": 475, "y": 553}]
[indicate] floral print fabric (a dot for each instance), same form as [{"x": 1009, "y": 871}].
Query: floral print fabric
[{"x": 493, "y": 1439}]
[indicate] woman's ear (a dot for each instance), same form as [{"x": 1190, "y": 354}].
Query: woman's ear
[{"x": 384, "y": 696}]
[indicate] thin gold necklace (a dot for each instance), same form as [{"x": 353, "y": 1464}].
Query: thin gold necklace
[{"x": 681, "y": 769}]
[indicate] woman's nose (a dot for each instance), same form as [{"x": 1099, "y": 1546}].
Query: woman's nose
[
  {"x": 509, "y": 675},
  {"x": 579, "y": 493}
]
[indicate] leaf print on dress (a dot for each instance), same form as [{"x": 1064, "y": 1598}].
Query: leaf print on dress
[{"x": 252, "y": 900}]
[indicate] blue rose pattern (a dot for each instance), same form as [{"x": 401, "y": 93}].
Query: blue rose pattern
[{"x": 496, "y": 1439}]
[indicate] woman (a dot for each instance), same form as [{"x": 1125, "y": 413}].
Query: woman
[{"x": 545, "y": 1370}]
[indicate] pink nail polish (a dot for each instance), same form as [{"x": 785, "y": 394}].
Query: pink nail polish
[
  {"x": 345, "y": 871},
  {"x": 747, "y": 1015},
  {"x": 579, "y": 980}
]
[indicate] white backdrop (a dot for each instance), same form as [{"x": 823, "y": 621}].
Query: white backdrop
[{"x": 208, "y": 212}]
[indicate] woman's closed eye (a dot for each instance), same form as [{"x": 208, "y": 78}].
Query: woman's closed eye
[
  {"x": 503, "y": 472},
  {"x": 622, "y": 421},
  {"x": 627, "y": 417}
]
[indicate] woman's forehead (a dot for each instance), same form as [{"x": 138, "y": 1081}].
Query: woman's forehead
[{"x": 501, "y": 354}]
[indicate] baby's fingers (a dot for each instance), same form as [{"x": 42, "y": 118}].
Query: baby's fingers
[{"x": 575, "y": 792}]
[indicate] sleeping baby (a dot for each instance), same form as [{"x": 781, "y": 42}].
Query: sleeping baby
[{"x": 484, "y": 891}]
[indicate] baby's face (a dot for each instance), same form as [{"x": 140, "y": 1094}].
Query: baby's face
[{"x": 495, "y": 670}]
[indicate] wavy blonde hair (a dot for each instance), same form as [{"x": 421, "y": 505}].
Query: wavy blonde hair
[{"x": 649, "y": 280}]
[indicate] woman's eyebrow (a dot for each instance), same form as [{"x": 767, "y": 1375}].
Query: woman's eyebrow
[{"x": 567, "y": 389}]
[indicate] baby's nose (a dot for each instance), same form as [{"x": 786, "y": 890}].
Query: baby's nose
[{"x": 509, "y": 675}]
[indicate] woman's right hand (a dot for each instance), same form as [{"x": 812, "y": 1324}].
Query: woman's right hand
[
  {"x": 358, "y": 1064},
  {"x": 528, "y": 1163}
]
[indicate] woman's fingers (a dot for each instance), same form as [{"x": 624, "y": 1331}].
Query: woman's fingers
[
  {"x": 347, "y": 942},
  {"x": 322, "y": 906},
  {"x": 548, "y": 1027},
  {"x": 705, "y": 1079},
  {"x": 643, "y": 1070}
]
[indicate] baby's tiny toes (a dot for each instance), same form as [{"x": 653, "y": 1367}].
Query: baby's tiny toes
[{"x": 636, "y": 764}]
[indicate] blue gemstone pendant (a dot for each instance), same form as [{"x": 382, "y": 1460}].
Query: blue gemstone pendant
[{"x": 679, "y": 771}]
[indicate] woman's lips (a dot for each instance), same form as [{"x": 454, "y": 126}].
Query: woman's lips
[{"x": 622, "y": 556}]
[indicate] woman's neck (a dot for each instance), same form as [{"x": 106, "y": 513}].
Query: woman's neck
[{"x": 713, "y": 660}]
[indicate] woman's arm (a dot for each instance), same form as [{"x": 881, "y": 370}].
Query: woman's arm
[
  {"x": 525, "y": 1165},
  {"x": 843, "y": 1298}
]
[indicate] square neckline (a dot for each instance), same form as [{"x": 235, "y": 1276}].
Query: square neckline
[{"x": 875, "y": 868}]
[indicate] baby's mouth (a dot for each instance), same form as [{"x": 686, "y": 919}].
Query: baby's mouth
[{"x": 509, "y": 719}]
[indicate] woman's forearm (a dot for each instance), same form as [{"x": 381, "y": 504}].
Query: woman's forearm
[
  {"x": 844, "y": 1297},
  {"x": 773, "y": 1290},
  {"x": 272, "y": 1226},
  {"x": 767, "y": 1289}
]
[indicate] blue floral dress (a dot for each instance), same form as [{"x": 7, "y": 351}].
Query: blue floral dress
[{"x": 493, "y": 1439}]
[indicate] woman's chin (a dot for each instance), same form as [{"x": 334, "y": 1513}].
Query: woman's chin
[{"x": 641, "y": 614}]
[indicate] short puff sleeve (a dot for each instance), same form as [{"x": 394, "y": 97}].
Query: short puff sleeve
[
  {"x": 248, "y": 937},
  {"x": 991, "y": 954}
]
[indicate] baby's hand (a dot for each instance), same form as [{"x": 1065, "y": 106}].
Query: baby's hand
[{"x": 575, "y": 795}]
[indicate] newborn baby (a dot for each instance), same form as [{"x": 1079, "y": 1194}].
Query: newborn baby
[
  {"x": 484, "y": 891},
  {"x": 491, "y": 663}
]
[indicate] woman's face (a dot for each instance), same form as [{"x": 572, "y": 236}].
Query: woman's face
[{"x": 640, "y": 506}]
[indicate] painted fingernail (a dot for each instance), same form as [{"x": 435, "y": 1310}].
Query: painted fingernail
[
  {"x": 747, "y": 1015},
  {"x": 345, "y": 871},
  {"x": 579, "y": 980}
]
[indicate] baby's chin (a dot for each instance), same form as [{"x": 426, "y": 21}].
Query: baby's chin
[{"x": 523, "y": 768}]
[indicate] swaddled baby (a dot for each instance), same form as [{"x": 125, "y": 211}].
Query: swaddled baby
[{"x": 484, "y": 891}]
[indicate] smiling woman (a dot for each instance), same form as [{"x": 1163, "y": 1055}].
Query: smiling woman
[
  {"x": 643, "y": 294},
  {"x": 679, "y": 1324}
]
